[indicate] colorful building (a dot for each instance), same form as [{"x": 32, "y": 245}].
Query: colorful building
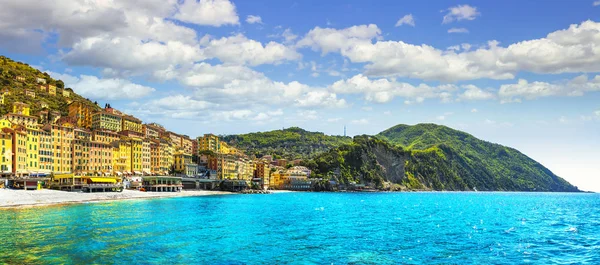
[
  {"x": 62, "y": 138},
  {"x": 6, "y": 148},
  {"x": 104, "y": 120},
  {"x": 130, "y": 123},
  {"x": 51, "y": 89},
  {"x": 209, "y": 142},
  {"x": 82, "y": 113},
  {"x": 184, "y": 164},
  {"x": 146, "y": 157},
  {"x": 20, "y": 115}
]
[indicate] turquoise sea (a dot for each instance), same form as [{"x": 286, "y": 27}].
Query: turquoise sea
[{"x": 311, "y": 228}]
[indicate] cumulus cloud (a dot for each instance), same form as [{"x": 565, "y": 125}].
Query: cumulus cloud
[
  {"x": 238, "y": 49},
  {"x": 320, "y": 98},
  {"x": 565, "y": 51},
  {"x": 104, "y": 88},
  {"x": 208, "y": 12},
  {"x": 460, "y": 12},
  {"x": 458, "y": 30},
  {"x": 475, "y": 93},
  {"x": 406, "y": 20},
  {"x": 254, "y": 19},
  {"x": 384, "y": 90},
  {"x": 596, "y": 3},
  {"x": 524, "y": 89}
]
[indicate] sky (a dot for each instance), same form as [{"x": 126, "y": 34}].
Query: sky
[{"x": 524, "y": 74}]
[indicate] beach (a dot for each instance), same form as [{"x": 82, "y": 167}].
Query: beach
[{"x": 33, "y": 198}]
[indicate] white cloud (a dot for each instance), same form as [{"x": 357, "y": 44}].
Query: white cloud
[
  {"x": 460, "y": 12},
  {"x": 334, "y": 119},
  {"x": 597, "y": 113},
  {"x": 367, "y": 108},
  {"x": 474, "y": 111},
  {"x": 207, "y": 12},
  {"x": 331, "y": 40},
  {"x": 458, "y": 30},
  {"x": 287, "y": 35},
  {"x": 475, "y": 93},
  {"x": 384, "y": 90},
  {"x": 360, "y": 122},
  {"x": 131, "y": 54},
  {"x": 307, "y": 114},
  {"x": 103, "y": 88},
  {"x": 406, "y": 20},
  {"x": 596, "y": 3},
  {"x": 523, "y": 89},
  {"x": 320, "y": 98},
  {"x": 253, "y": 19},
  {"x": 387, "y": 112},
  {"x": 238, "y": 49},
  {"x": 565, "y": 51}
]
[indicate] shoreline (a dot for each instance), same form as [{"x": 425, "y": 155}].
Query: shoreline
[{"x": 18, "y": 199}]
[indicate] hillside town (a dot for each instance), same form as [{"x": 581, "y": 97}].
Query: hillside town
[{"x": 103, "y": 149}]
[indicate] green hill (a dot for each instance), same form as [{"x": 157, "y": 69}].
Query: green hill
[
  {"x": 434, "y": 157},
  {"x": 10, "y": 70},
  {"x": 290, "y": 143}
]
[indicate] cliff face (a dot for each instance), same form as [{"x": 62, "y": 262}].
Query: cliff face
[{"x": 441, "y": 166}]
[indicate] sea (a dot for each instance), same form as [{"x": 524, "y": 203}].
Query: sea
[{"x": 311, "y": 228}]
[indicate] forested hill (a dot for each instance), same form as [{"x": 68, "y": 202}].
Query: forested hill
[
  {"x": 433, "y": 157},
  {"x": 16, "y": 78},
  {"x": 290, "y": 143}
]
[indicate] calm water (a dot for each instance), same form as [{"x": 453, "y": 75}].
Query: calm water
[{"x": 311, "y": 228}]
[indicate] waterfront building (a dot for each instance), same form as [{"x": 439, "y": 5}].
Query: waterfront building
[
  {"x": 6, "y": 148},
  {"x": 146, "y": 157},
  {"x": 66, "y": 93},
  {"x": 184, "y": 164},
  {"x": 71, "y": 182},
  {"x": 107, "y": 121},
  {"x": 136, "y": 155},
  {"x": 62, "y": 138},
  {"x": 32, "y": 146},
  {"x": 45, "y": 152},
  {"x": 19, "y": 150},
  {"x": 121, "y": 157},
  {"x": 82, "y": 113},
  {"x": 162, "y": 183}
]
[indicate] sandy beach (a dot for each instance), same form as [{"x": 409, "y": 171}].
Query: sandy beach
[{"x": 33, "y": 198}]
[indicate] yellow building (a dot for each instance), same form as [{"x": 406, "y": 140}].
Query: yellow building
[
  {"x": 46, "y": 152},
  {"x": 105, "y": 136},
  {"x": 30, "y": 93},
  {"x": 66, "y": 93},
  {"x": 186, "y": 144},
  {"x": 51, "y": 89},
  {"x": 19, "y": 150},
  {"x": 209, "y": 142},
  {"x": 107, "y": 121},
  {"x": 184, "y": 164},
  {"x": 6, "y": 148},
  {"x": 146, "y": 157},
  {"x": 227, "y": 167},
  {"x": 62, "y": 138},
  {"x": 175, "y": 139},
  {"x": 20, "y": 115},
  {"x": 166, "y": 157},
  {"x": 130, "y": 123},
  {"x": 121, "y": 157},
  {"x": 136, "y": 155},
  {"x": 33, "y": 141},
  {"x": 152, "y": 130},
  {"x": 82, "y": 113}
]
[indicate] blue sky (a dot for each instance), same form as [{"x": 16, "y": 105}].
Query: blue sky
[{"x": 520, "y": 73}]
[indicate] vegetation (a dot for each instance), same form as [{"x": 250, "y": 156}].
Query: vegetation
[
  {"x": 434, "y": 157},
  {"x": 290, "y": 143},
  {"x": 9, "y": 70}
]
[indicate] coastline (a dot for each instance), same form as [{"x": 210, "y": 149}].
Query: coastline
[{"x": 14, "y": 199}]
